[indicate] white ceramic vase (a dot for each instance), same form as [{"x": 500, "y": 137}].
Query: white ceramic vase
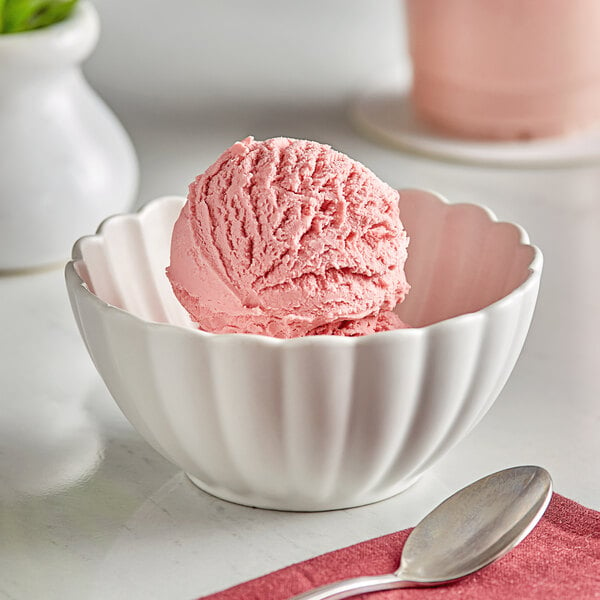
[{"x": 65, "y": 160}]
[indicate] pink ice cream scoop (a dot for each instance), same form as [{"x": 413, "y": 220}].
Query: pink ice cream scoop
[
  {"x": 284, "y": 236},
  {"x": 386, "y": 320}
]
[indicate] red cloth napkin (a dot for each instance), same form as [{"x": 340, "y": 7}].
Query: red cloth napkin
[{"x": 559, "y": 560}]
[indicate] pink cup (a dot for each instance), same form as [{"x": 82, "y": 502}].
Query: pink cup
[{"x": 506, "y": 69}]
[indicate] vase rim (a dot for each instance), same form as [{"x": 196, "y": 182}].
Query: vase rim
[{"x": 72, "y": 39}]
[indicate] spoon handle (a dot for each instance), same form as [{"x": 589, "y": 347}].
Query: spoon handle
[{"x": 351, "y": 587}]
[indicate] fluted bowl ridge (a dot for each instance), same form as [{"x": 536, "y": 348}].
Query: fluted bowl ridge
[{"x": 319, "y": 422}]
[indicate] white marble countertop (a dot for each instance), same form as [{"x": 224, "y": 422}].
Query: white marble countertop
[{"x": 89, "y": 511}]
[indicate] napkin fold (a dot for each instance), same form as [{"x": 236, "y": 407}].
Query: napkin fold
[{"x": 559, "y": 560}]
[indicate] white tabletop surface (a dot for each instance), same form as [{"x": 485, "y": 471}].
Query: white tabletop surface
[{"x": 89, "y": 511}]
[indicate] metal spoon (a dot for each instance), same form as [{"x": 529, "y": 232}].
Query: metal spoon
[{"x": 466, "y": 532}]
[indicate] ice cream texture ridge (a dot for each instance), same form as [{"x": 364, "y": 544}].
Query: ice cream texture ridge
[{"x": 289, "y": 238}]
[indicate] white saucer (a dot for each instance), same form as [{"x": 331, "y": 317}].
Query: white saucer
[{"x": 384, "y": 112}]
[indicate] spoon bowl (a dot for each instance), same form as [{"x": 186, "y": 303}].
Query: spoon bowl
[{"x": 468, "y": 531}]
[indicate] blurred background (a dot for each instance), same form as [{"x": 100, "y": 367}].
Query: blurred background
[
  {"x": 187, "y": 78},
  {"x": 180, "y": 54}
]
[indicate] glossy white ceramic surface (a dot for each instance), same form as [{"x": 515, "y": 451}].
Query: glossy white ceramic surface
[
  {"x": 66, "y": 159},
  {"x": 319, "y": 422}
]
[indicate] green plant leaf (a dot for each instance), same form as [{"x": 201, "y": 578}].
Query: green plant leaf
[{"x": 25, "y": 15}]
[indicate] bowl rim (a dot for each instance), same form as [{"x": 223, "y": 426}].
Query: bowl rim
[{"x": 76, "y": 283}]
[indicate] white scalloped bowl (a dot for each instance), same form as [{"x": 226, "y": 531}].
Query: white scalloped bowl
[{"x": 318, "y": 422}]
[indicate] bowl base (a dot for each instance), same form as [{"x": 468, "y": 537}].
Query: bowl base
[{"x": 302, "y": 505}]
